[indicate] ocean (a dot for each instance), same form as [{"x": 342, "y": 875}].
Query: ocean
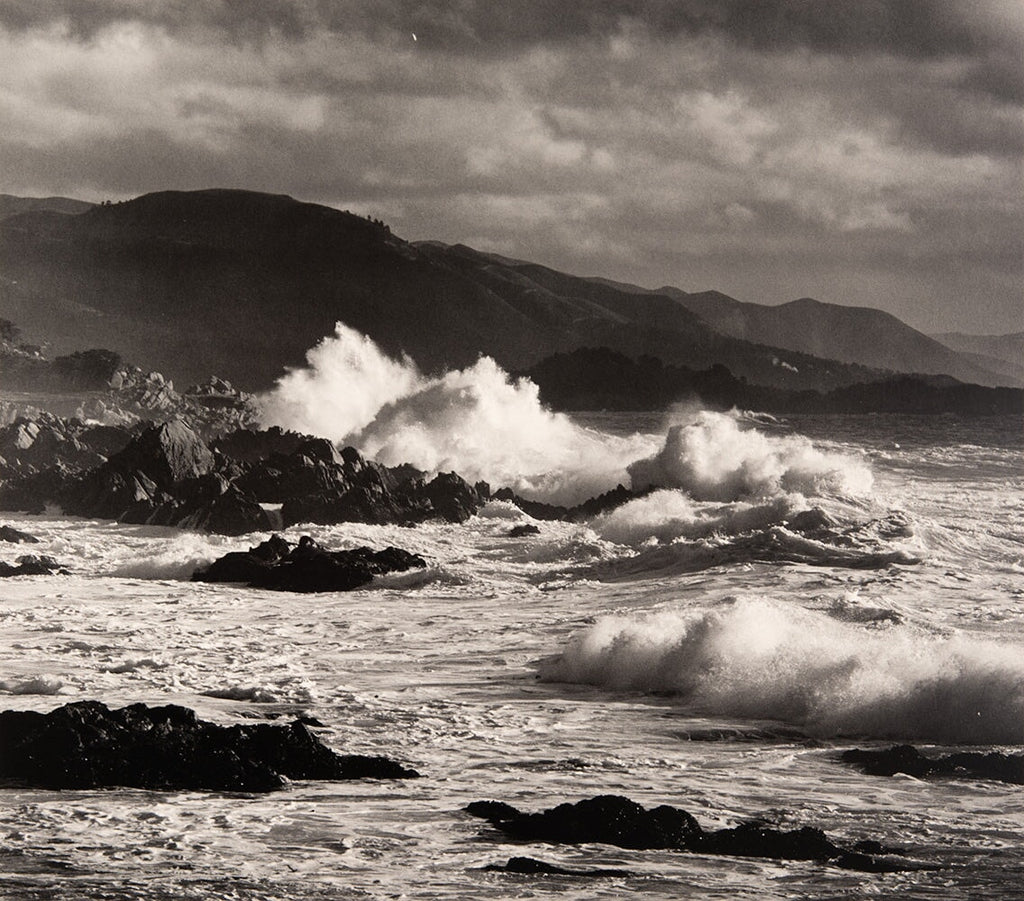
[{"x": 689, "y": 648}]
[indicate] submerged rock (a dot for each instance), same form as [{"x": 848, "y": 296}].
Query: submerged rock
[
  {"x": 88, "y": 745},
  {"x": 530, "y": 866},
  {"x": 580, "y": 513},
  {"x": 523, "y": 530},
  {"x": 31, "y": 565},
  {"x": 908, "y": 760},
  {"x": 307, "y": 567},
  {"x": 9, "y": 533},
  {"x": 614, "y": 820}
]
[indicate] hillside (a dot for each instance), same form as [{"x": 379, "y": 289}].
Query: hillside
[
  {"x": 1003, "y": 354},
  {"x": 849, "y": 334},
  {"x": 602, "y": 379},
  {"x": 242, "y": 284},
  {"x": 10, "y": 205}
]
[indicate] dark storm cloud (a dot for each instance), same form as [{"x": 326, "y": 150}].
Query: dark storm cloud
[
  {"x": 730, "y": 144},
  {"x": 238, "y": 18},
  {"x": 902, "y": 27}
]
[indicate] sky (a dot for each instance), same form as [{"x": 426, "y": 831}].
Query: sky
[{"x": 862, "y": 152}]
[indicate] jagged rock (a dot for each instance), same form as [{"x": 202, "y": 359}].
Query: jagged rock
[
  {"x": 167, "y": 453},
  {"x": 31, "y": 445},
  {"x": 249, "y": 446},
  {"x": 530, "y": 866},
  {"x": 608, "y": 819},
  {"x": 961, "y": 765},
  {"x": 15, "y": 536},
  {"x": 813, "y": 522},
  {"x": 31, "y": 565},
  {"x": 87, "y": 745},
  {"x": 308, "y": 567},
  {"x": 614, "y": 820},
  {"x": 167, "y": 475},
  {"x": 452, "y": 497}
]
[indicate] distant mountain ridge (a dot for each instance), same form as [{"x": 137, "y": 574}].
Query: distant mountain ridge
[
  {"x": 242, "y": 284},
  {"x": 11, "y": 205},
  {"x": 1001, "y": 353},
  {"x": 861, "y": 335}
]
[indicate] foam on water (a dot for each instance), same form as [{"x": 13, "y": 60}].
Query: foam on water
[
  {"x": 484, "y": 425},
  {"x": 713, "y": 459},
  {"x": 666, "y": 514},
  {"x": 761, "y": 659},
  {"x": 476, "y": 421}
]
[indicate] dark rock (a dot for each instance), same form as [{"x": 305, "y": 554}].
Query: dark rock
[
  {"x": 9, "y": 533},
  {"x": 757, "y": 840},
  {"x": 307, "y": 567},
  {"x": 87, "y": 745},
  {"x": 614, "y": 820},
  {"x": 249, "y": 446},
  {"x": 31, "y": 565},
  {"x": 610, "y": 819},
  {"x": 166, "y": 454},
  {"x": 961, "y": 765},
  {"x": 530, "y": 866},
  {"x": 580, "y": 513},
  {"x": 452, "y": 497},
  {"x": 525, "y": 529}
]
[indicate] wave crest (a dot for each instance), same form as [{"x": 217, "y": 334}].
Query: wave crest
[
  {"x": 756, "y": 659},
  {"x": 713, "y": 459}
]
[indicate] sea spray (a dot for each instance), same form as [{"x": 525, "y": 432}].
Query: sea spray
[
  {"x": 668, "y": 514},
  {"x": 713, "y": 459},
  {"x": 347, "y": 380},
  {"x": 485, "y": 425},
  {"x": 758, "y": 659},
  {"x": 476, "y": 421}
]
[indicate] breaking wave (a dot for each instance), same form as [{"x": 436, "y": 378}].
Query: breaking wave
[
  {"x": 666, "y": 515},
  {"x": 757, "y": 659},
  {"x": 487, "y": 426},
  {"x": 713, "y": 459}
]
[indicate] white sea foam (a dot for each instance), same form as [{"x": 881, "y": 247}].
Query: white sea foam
[
  {"x": 482, "y": 424},
  {"x": 38, "y": 685},
  {"x": 765, "y": 660},
  {"x": 665, "y": 515},
  {"x": 476, "y": 421},
  {"x": 712, "y": 458}
]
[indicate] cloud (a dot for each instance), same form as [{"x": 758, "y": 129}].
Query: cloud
[{"x": 712, "y": 143}]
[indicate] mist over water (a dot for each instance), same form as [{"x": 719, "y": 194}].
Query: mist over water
[{"x": 481, "y": 423}]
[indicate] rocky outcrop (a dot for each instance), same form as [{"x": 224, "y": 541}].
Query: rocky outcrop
[
  {"x": 31, "y": 565},
  {"x": 30, "y": 445},
  {"x": 87, "y": 745},
  {"x": 307, "y": 567},
  {"x": 15, "y": 536},
  {"x": 521, "y": 531},
  {"x": 908, "y": 760},
  {"x": 167, "y": 475},
  {"x": 614, "y": 820}
]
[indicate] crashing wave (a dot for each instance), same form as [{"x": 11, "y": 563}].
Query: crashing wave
[
  {"x": 756, "y": 659},
  {"x": 483, "y": 424}
]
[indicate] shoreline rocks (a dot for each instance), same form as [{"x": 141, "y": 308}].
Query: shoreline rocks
[
  {"x": 31, "y": 565},
  {"x": 307, "y": 567},
  {"x": 615, "y": 820},
  {"x": 87, "y": 745},
  {"x": 910, "y": 761}
]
